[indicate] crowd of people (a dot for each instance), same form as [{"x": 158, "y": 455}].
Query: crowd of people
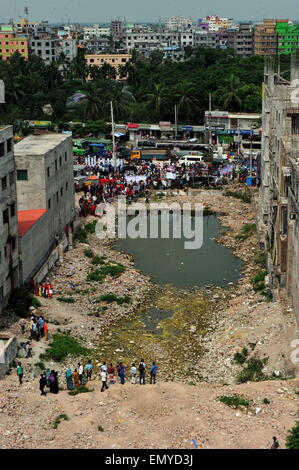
[
  {"x": 137, "y": 178},
  {"x": 81, "y": 375},
  {"x": 41, "y": 290},
  {"x": 109, "y": 373},
  {"x": 38, "y": 328}
]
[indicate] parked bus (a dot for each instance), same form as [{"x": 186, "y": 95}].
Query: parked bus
[{"x": 80, "y": 147}]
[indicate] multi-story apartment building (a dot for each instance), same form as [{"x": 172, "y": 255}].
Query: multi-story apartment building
[
  {"x": 212, "y": 39},
  {"x": 25, "y": 26},
  {"x": 11, "y": 42},
  {"x": 9, "y": 257},
  {"x": 278, "y": 214},
  {"x": 47, "y": 49},
  {"x": 115, "y": 60},
  {"x": 215, "y": 23},
  {"x": 265, "y": 38},
  {"x": 96, "y": 31},
  {"x": 45, "y": 190},
  {"x": 178, "y": 23},
  {"x": 171, "y": 44},
  {"x": 288, "y": 37},
  {"x": 95, "y": 45},
  {"x": 117, "y": 29},
  {"x": 244, "y": 40},
  {"x": 68, "y": 46}
]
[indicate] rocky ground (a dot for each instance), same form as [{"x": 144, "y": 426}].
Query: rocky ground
[
  {"x": 223, "y": 321},
  {"x": 163, "y": 416}
]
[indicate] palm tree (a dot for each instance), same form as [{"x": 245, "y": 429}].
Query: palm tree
[
  {"x": 231, "y": 94},
  {"x": 122, "y": 98},
  {"x": 157, "y": 98},
  {"x": 91, "y": 103},
  {"x": 186, "y": 97}
]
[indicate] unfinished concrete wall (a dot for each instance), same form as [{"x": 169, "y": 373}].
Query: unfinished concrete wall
[{"x": 8, "y": 352}]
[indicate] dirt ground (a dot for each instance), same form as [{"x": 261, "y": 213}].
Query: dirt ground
[
  {"x": 164, "y": 415},
  {"x": 178, "y": 409}
]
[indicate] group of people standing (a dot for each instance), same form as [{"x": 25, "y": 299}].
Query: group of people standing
[
  {"x": 79, "y": 377},
  {"x": 82, "y": 374},
  {"x": 41, "y": 290},
  {"x": 109, "y": 372},
  {"x": 38, "y": 328},
  {"x": 49, "y": 379}
]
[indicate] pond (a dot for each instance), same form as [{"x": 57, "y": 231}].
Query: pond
[{"x": 167, "y": 261}]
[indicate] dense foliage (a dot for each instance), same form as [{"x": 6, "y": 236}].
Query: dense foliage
[{"x": 151, "y": 90}]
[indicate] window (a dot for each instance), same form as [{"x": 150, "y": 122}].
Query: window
[
  {"x": 55, "y": 165},
  {"x": 4, "y": 182},
  {"x": 49, "y": 203},
  {"x": 66, "y": 186},
  {"x": 1, "y": 294},
  {"x": 48, "y": 172},
  {"x": 61, "y": 191},
  {"x": 13, "y": 210},
  {"x": 2, "y": 149},
  {"x": 9, "y": 145},
  {"x": 65, "y": 156},
  {"x": 5, "y": 216},
  {"x": 13, "y": 243},
  {"x": 22, "y": 175},
  {"x": 57, "y": 197},
  {"x": 60, "y": 161}
]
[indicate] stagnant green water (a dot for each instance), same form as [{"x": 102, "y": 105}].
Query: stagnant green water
[
  {"x": 174, "y": 317},
  {"x": 166, "y": 261}
]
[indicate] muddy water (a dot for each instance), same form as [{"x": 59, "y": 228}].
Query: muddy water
[
  {"x": 167, "y": 261},
  {"x": 171, "y": 324}
]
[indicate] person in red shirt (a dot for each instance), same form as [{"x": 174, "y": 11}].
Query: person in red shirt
[{"x": 110, "y": 371}]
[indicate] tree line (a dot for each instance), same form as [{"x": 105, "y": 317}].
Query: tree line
[{"x": 148, "y": 92}]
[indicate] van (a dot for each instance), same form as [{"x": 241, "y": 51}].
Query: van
[{"x": 191, "y": 159}]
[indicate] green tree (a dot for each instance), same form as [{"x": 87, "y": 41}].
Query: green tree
[
  {"x": 156, "y": 99},
  {"x": 231, "y": 97},
  {"x": 186, "y": 96},
  {"x": 92, "y": 102}
]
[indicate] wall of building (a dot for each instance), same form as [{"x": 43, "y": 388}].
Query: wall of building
[
  {"x": 278, "y": 214},
  {"x": 115, "y": 60},
  {"x": 48, "y": 159},
  {"x": 36, "y": 246},
  {"x": 10, "y": 43},
  {"x": 9, "y": 352},
  {"x": 8, "y": 229},
  {"x": 47, "y": 49}
]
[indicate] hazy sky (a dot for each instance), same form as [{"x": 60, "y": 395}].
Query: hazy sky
[{"x": 98, "y": 11}]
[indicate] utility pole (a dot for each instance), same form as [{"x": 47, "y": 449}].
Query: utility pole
[
  {"x": 113, "y": 140},
  {"x": 176, "y": 120},
  {"x": 238, "y": 160},
  {"x": 210, "y": 115},
  {"x": 251, "y": 151}
]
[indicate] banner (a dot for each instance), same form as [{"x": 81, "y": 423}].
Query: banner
[
  {"x": 135, "y": 178},
  {"x": 170, "y": 176}
]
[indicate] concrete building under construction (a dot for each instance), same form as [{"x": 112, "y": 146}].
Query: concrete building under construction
[{"x": 278, "y": 214}]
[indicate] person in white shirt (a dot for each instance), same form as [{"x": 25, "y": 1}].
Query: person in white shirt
[
  {"x": 104, "y": 367},
  {"x": 80, "y": 372},
  {"x": 104, "y": 380},
  {"x": 133, "y": 372}
]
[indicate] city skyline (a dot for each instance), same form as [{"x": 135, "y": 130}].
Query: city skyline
[{"x": 132, "y": 11}]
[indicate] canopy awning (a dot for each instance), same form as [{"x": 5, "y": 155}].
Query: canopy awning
[{"x": 118, "y": 134}]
